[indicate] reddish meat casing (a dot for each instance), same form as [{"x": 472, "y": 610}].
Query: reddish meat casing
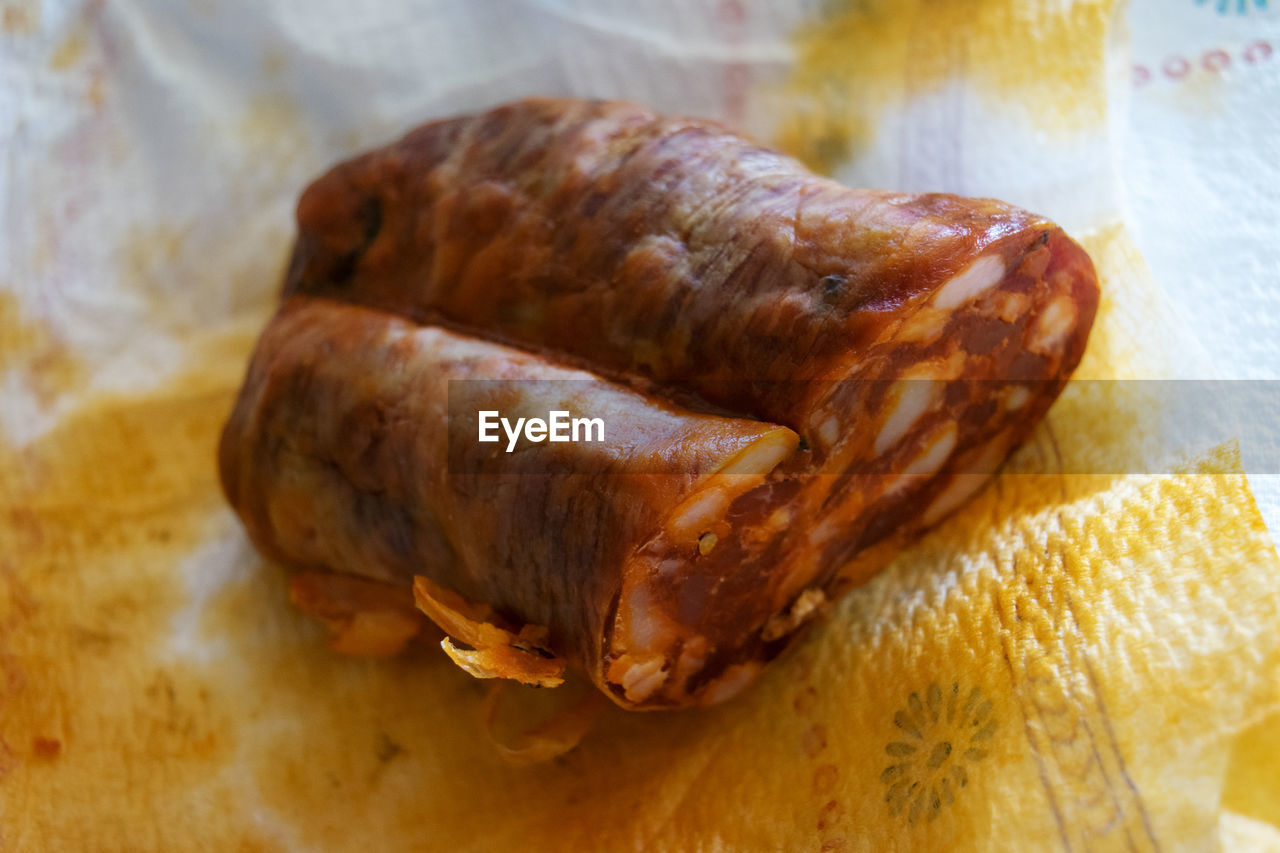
[{"x": 792, "y": 371}]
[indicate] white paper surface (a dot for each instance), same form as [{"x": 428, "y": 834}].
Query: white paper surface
[{"x": 1200, "y": 176}]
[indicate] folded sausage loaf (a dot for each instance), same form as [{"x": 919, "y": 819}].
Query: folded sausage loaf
[{"x": 791, "y": 372}]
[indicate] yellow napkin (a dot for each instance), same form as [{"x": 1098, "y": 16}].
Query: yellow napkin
[{"x": 1082, "y": 660}]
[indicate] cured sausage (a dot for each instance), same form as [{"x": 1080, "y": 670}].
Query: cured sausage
[
  {"x": 891, "y": 347},
  {"x": 353, "y": 449},
  {"x": 673, "y": 251}
]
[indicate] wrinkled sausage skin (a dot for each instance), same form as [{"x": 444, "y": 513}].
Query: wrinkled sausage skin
[
  {"x": 903, "y": 344},
  {"x": 650, "y": 248}
]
